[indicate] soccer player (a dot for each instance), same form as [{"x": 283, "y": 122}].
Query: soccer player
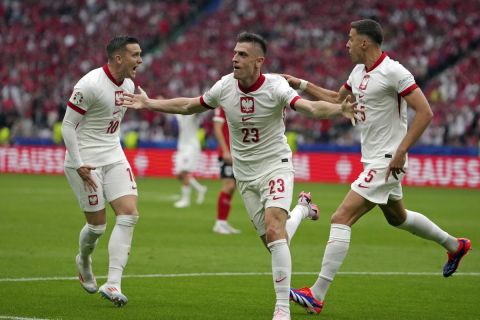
[
  {"x": 254, "y": 106},
  {"x": 383, "y": 88},
  {"x": 220, "y": 130},
  {"x": 95, "y": 164},
  {"x": 188, "y": 152}
]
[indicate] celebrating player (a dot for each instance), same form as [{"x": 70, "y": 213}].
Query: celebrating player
[
  {"x": 382, "y": 87},
  {"x": 254, "y": 105},
  {"x": 96, "y": 166}
]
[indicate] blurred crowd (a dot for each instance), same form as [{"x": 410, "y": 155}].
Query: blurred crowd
[{"x": 48, "y": 46}]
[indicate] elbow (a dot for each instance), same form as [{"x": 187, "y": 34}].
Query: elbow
[{"x": 429, "y": 115}]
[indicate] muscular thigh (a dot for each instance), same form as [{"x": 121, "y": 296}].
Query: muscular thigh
[
  {"x": 119, "y": 181},
  {"x": 87, "y": 200},
  {"x": 253, "y": 203},
  {"x": 274, "y": 190},
  {"x": 371, "y": 185},
  {"x": 352, "y": 208}
]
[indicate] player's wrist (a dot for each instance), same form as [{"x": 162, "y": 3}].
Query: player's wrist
[{"x": 303, "y": 85}]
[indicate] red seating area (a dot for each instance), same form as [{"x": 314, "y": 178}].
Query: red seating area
[{"x": 49, "y": 45}]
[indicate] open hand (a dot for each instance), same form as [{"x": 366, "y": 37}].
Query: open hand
[
  {"x": 348, "y": 109},
  {"x": 292, "y": 81},
  {"x": 135, "y": 101}
]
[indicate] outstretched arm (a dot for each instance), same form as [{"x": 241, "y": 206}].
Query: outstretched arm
[
  {"x": 176, "y": 105},
  {"x": 324, "y": 109},
  {"x": 423, "y": 115},
  {"x": 318, "y": 92}
]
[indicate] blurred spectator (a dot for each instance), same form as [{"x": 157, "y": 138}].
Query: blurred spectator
[{"x": 41, "y": 40}]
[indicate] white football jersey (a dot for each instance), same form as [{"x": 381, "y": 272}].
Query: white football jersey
[
  {"x": 255, "y": 119},
  {"x": 379, "y": 93},
  {"x": 98, "y": 97},
  {"x": 187, "y": 133}
]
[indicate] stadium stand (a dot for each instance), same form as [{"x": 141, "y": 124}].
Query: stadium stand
[{"x": 188, "y": 45}]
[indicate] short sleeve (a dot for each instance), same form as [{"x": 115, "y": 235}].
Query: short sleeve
[
  {"x": 402, "y": 80},
  {"x": 211, "y": 98},
  {"x": 81, "y": 97},
  {"x": 286, "y": 94}
]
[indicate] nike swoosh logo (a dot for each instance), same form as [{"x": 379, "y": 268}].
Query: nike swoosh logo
[
  {"x": 276, "y": 198},
  {"x": 360, "y": 96},
  {"x": 246, "y": 118},
  {"x": 116, "y": 112},
  {"x": 362, "y": 186},
  {"x": 281, "y": 279}
]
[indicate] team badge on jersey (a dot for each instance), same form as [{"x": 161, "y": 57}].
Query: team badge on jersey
[
  {"x": 364, "y": 83},
  {"x": 93, "y": 199},
  {"x": 77, "y": 98},
  {"x": 118, "y": 98},
  {"x": 247, "y": 105}
]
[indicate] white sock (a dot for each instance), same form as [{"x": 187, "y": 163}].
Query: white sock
[
  {"x": 186, "y": 191},
  {"x": 282, "y": 271},
  {"x": 119, "y": 247},
  {"x": 295, "y": 217},
  {"x": 335, "y": 253},
  {"x": 419, "y": 225},
  {"x": 197, "y": 186},
  {"x": 89, "y": 238}
]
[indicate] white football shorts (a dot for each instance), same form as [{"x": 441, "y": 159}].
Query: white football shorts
[
  {"x": 371, "y": 185},
  {"x": 113, "y": 181},
  {"x": 272, "y": 190},
  {"x": 186, "y": 160}
]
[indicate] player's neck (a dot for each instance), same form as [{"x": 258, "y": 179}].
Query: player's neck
[
  {"x": 250, "y": 81},
  {"x": 115, "y": 73},
  {"x": 372, "y": 58}
]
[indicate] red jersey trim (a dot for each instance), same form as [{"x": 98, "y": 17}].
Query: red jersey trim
[
  {"x": 109, "y": 75},
  {"x": 254, "y": 86},
  {"x": 292, "y": 103},
  {"x": 408, "y": 90},
  {"x": 382, "y": 57},
  {"x": 78, "y": 109},
  {"x": 203, "y": 103},
  {"x": 346, "y": 86}
]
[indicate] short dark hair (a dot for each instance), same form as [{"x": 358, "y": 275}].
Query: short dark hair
[
  {"x": 253, "y": 37},
  {"x": 370, "y": 28},
  {"x": 119, "y": 43}
]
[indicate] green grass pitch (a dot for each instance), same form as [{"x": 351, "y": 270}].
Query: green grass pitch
[{"x": 180, "y": 269}]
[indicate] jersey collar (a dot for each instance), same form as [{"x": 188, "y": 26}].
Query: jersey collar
[
  {"x": 379, "y": 60},
  {"x": 254, "y": 86},
  {"x": 109, "y": 75}
]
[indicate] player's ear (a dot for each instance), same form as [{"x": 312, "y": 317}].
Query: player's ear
[
  {"x": 259, "y": 61},
  {"x": 118, "y": 58}
]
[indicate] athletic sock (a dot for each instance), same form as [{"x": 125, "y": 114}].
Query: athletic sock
[
  {"x": 196, "y": 185},
  {"x": 281, "y": 270},
  {"x": 419, "y": 225},
  {"x": 88, "y": 239},
  {"x": 223, "y": 205},
  {"x": 335, "y": 253},
  {"x": 119, "y": 247},
  {"x": 295, "y": 217},
  {"x": 186, "y": 192}
]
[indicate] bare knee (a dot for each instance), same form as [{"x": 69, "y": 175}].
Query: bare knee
[{"x": 394, "y": 213}]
